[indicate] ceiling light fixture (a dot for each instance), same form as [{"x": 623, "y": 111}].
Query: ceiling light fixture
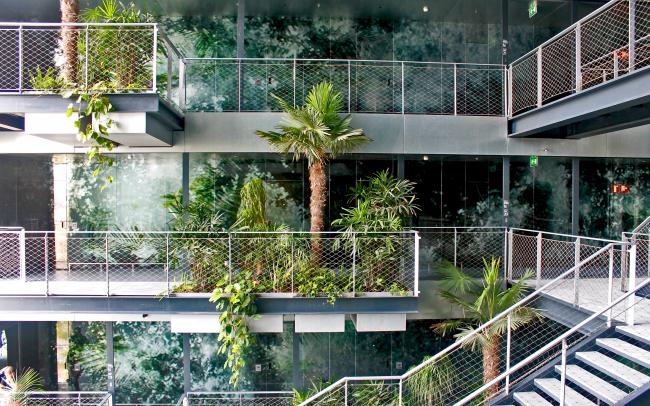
[{"x": 425, "y": 9}]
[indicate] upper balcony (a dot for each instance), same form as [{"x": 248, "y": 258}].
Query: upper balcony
[{"x": 589, "y": 79}]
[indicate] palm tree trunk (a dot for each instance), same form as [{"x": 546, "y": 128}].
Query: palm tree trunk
[
  {"x": 69, "y": 14},
  {"x": 318, "y": 186},
  {"x": 491, "y": 364}
]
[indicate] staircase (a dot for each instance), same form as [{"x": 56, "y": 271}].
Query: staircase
[{"x": 607, "y": 371}]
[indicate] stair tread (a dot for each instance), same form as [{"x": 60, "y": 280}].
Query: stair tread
[
  {"x": 625, "y": 349},
  {"x": 640, "y": 332},
  {"x": 598, "y": 387},
  {"x": 531, "y": 399},
  {"x": 551, "y": 387},
  {"x": 613, "y": 368}
]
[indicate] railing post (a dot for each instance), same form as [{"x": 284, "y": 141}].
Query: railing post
[
  {"x": 615, "y": 64},
  {"x": 170, "y": 68},
  {"x": 538, "y": 262},
  {"x": 294, "y": 82},
  {"x": 631, "y": 51},
  {"x": 401, "y": 392},
  {"x": 455, "y": 246},
  {"x": 167, "y": 262},
  {"x": 624, "y": 264},
  {"x": 354, "y": 263},
  {"x": 403, "y": 107},
  {"x": 510, "y": 239},
  {"x": 293, "y": 261},
  {"x": 229, "y": 257},
  {"x": 629, "y": 316},
  {"x": 578, "y": 57},
  {"x": 345, "y": 393},
  {"x": 563, "y": 374},
  {"x": 47, "y": 265},
  {"x": 349, "y": 87},
  {"x": 508, "y": 352},
  {"x": 610, "y": 286},
  {"x": 539, "y": 77},
  {"x": 182, "y": 87},
  {"x": 576, "y": 274},
  {"x": 416, "y": 281},
  {"x": 455, "y": 92},
  {"x": 508, "y": 92},
  {"x": 108, "y": 286},
  {"x": 239, "y": 79},
  {"x": 154, "y": 62},
  {"x": 86, "y": 63},
  {"x": 20, "y": 59},
  {"x": 21, "y": 243}
]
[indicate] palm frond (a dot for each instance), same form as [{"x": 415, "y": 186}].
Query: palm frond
[{"x": 454, "y": 280}]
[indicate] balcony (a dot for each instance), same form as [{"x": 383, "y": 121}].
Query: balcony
[
  {"x": 177, "y": 264},
  {"x": 589, "y": 79}
]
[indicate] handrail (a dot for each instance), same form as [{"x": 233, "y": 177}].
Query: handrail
[
  {"x": 395, "y": 61},
  {"x": 642, "y": 225},
  {"x": 29, "y": 24},
  {"x": 479, "y": 329},
  {"x": 551, "y": 344},
  {"x": 607, "y": 240}
]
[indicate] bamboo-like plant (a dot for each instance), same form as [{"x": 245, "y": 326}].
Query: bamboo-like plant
[
  {"x": 481, "y": 300},
  {"x": 431, "y": 385}
]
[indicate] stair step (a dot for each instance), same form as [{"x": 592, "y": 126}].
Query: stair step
[
  {"x": 531, "y": 399},
  {"x": 617, "y": 370},
  {"x": 598, "y": 387},
  {"x": 551, "y": 387},
  {"x": 640, "y": 332},
  {"x": 625, "y": 349}
]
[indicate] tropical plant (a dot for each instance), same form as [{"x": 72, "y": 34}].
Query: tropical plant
[
  {"x": 48, "y": 80},
  {"x": 372, "y": 228},
  {"x": 20, "y": 383},
  {"x": 432, "y": 384},
  {"x": 315, "y": 132},
  {"x": 480, "y": 301}
]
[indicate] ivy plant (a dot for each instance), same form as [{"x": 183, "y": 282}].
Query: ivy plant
[{"x": 236, "y": 302}]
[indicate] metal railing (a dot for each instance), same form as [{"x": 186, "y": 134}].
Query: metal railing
[
  {"x": 253, "y": 398},
  {"x": 154, "y": 263},
  {"x": 589, "y": 282},
  {"x": 56, "y": 399},
  {"x": 612, "y": 41},
  {"x": 119, "y": 57},
  {"x": 368, "y": 86}
]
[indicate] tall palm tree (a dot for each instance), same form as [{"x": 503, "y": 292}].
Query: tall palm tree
[
  {"x": 317, "y": 133},
  {"x": 481, "y": 300},
  {"x": 69, "y": 14}
]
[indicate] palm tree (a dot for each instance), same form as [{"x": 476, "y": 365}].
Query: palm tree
[
  {"x": 480, "y": 301},
  {"x": 17, "y": 385},
  {"x": 317, "y": 133},
  {"x": 69, "y": 14}
]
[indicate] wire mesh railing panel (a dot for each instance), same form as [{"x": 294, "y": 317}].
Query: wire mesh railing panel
[
  {"x": 365, "y": 86},
  {"x": 475, "y": 247},
  {"x": 523, "y": 256},
  {"x": 55, "y": 399},
  {"x": 372, "y": 393},
  {"x": 49, "y": 58},
  {"x": 9, "y": 54},
  {"x": 642, "y": 34},
  {"x": 559, "y": 67},
  {"x": 524, "y": 84},
  {"x": 10, "y": 255},
  {"x": 238, "y": 399}
]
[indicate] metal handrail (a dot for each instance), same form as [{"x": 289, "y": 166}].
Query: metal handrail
[
  {"x": 389, "y": 61},
  {"x": 459, "y": 343},
  {"x": 29, "y": 24},
  {"x": 553, "y": 343}
]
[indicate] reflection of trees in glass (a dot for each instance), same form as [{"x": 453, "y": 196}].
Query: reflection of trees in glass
[
  {"x": 202, "y": 37},
  {"x": 540, "y": 198},
  {"x": 86, "y": 360},
  {"x": 604, "y": 214},
  {"x": 149, "y": 367}
]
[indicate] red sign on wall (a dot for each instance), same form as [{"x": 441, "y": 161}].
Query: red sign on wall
[{"x": 620, "y": 188}]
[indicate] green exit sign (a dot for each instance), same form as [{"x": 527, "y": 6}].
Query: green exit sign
[
  {"x": 532, "y": 8},
  {"x": 533, "y": 161}
]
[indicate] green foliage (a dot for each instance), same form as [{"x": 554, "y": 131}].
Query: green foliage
[
  {"x": 92, "y": 122},
  {"x": 432, "y": 384},
  {"x": 315, "y": 131},
  {"x": 50, "y": 80},
  {"x": 334, "y": 398},
  {"x": 312, "y": 281},
  {"x": 27, "y": 381},
  {"x": 252, "y": 209},
  {"x": 483, "y": 299},
  {"x": 236, "y": 301}
]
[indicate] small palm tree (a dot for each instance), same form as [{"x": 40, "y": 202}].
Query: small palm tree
[
  {"x": 481, "y": 301},
  {"x": 317, "y": 133},
  {"x": 18, "y": 384}
]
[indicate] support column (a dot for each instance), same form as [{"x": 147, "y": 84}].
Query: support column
[
  {"x": 400, "y": 167},
  {"x": 59, "y": 186},
  {"x": 187, "y": 377},
  {"x": 506, "y": 190},
  {"x": 297, "y": 382},
  {"x": 110, "y": 359},
  {"x": 575, "y": 196},
  {"x": 185, "y": 176},
  {"x": 504, "y": 32},
  {"x": 241, "y": 14}
]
